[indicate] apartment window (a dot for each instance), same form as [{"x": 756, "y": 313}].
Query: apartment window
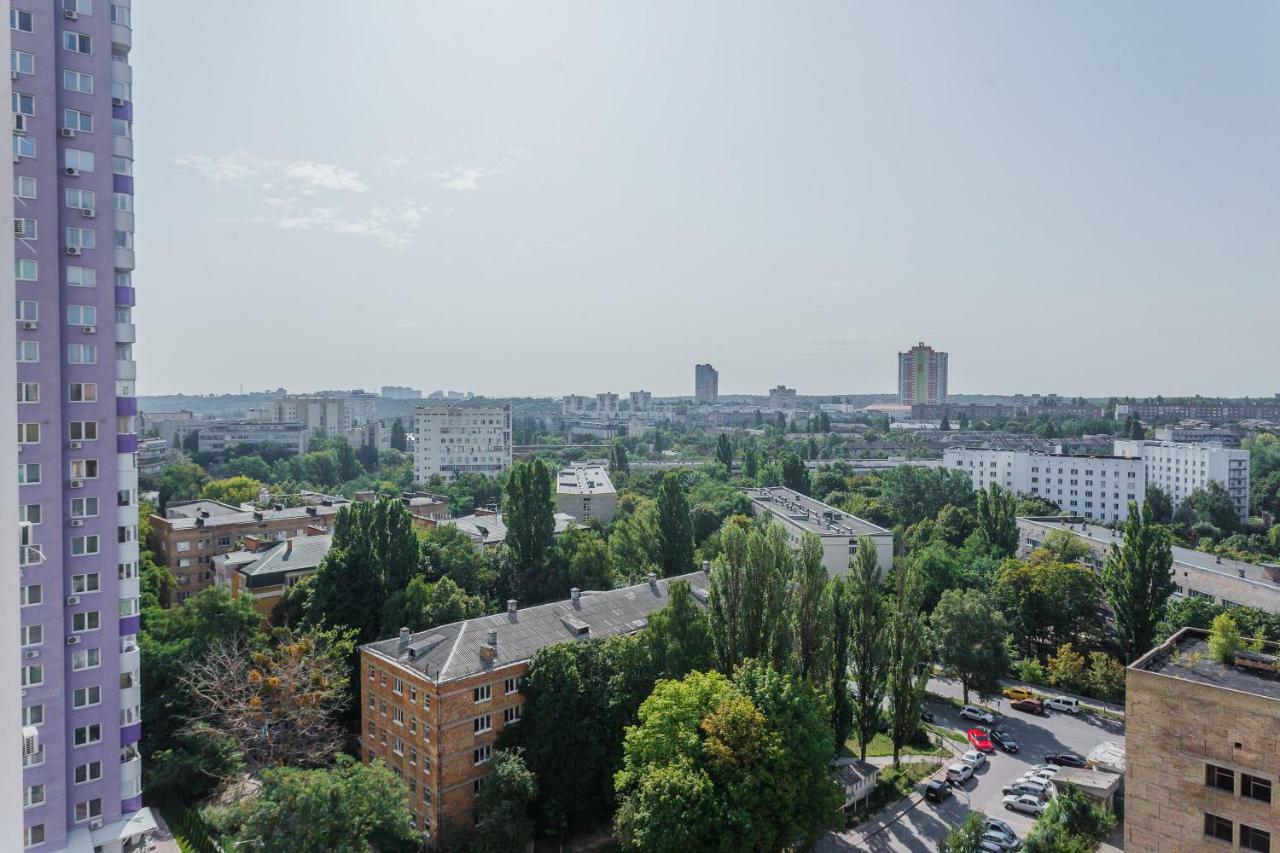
[
  {"x": 80, "y": 199},
  {"x": 481, "y": 693},
  {"x": 83, "y": 431},
  {"x": 89, "y": 810},
  {"x": 77, "y": 42},
  {"x": 80, "y": 7},
  {"x": 20, "y": 20},
  {"x": 24, "y": 187},
  {"x": 86, "y": 583},
  {"x": 33, "y": 715},
  {"x": 32, "y": 675},
  {"x": 32, "y": 635},
  {"x": 1254, "y": 839},
  {"x": 1255, "y": 788},
  {"x": 82, "y": 546},
  {"x": 86, "y": 659},
  {"x": 82, "y": 353},
  {"x": 31, "y": 595},
  {"x": 28, "y": 433},
  {"x": 90, "y": 772},
  {"x": 482, "y": 754},
  {"x": 397, "y": 716},
  {"x": 1217, "y": 827},
  {"x": 85, "y": 735},
  {"x": 511, "y": 685},
  {"x": 413, "y": 756},
  {"x": 483, "y": 723},
  {"x": 28, "y": 392},
  {"x": 26, "y": 269},
  {"x": 121, "y": 15},
  {"x": 28, "y": 351},
  {"x": 28, "y": 473},
  {"x": 24, "y": 146},
  {"x": 84, "y": 469},
  {"x": 81, "y": 238},
  {"x": 90, "y": 620},
  {"x": 32, "y": 795},
  {"x": 82, "y": 392},
  {"x": 81, "y": 276},
  {"x": 25, "y": 228},
  {"x": 1220, "y": 778},
  {"x": 397, "y": 685},
  {"x": 124, "y": 129},
  {"x": 77, "y": 81},
  {"x": 512, "y": 715},
  {"x": 85, "y": 697},
  {"x": 75, "y": 158},
  {"x": 33, "y": 835},
  {"x": 81, "y": 122},
  {"x": 121, "y": 166}
]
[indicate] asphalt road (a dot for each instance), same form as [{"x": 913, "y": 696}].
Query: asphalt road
[{"x": 923, "y": 827}]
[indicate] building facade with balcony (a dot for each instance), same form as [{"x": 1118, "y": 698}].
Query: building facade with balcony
[
  {"x": 457, "y": 439},
  {"x": 922, "y": 376},
  {"x": 1180, "y": 469},
  {"x": 77, "y": 414},
  {"x": 706, "y": 385}
]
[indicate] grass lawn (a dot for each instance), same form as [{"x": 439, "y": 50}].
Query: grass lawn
[
  {"x": 894, "y": 784},
  {"x": 949, "y": 734},
  {"x": 882, "y": 744}
]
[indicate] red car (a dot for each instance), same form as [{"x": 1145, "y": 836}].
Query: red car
[
  {"x": 1030, "y": 706},
  {"x": 980, "y": 740}
]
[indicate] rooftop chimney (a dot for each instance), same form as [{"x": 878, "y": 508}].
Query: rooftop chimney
[
  {"x": 653, "y": 580},
  {"x": 404, "y": 640},
  {"x": 573, "y": 594},
  {"x": 288, "y": 547},
  {"x": 706, "y": 565},
  {"x": 511, "y": 605},
  {"x": 491, "y": 638}
]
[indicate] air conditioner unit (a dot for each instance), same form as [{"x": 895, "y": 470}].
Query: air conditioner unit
[
  {"x": 71, "y": 171},
  {"x": 88, "y": 212},
  {"x": 95, "y": 824},
  {"x": 75, "y": 445},
  {"x": 74, "y": 250},
  {"x": 30, "y": 325},
  {"x": 32, "y": 655},
  {"x": 73, "y": 640},
  {"x": 90, "y": 330},
  {"x": 30, "y": 739},
  {"x": 70, "y": 14},
  {"x": 77, "y": 522},
  {"x": 119, "y": 102},
  {"x": 68, "y": 132},
  {"x": 19, "y": 123},
  {"x": 77, "y": 484},
  {"x": 73, "y": 600}
]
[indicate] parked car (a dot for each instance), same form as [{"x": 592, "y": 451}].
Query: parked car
[
  {"x": 1029, "y": 706},
  {"x": 1064, "y": 703},
  {"x": 978, "y": 740},
  {"x": 1001, "y": 841},
  {"x": 1004, "y": 739},
  {"x": 997, "y": 825},
  {"x": 926, "y": 715},
  {"x": 1042, "y": 775},
  {"x": 937, "y": 791},
  {"x": 1029, "y": 787},
  {"x": 1018, "y": 693},
  {"x": 974, "y": 758},
  {"x": 989, "y": 846},
  {"x": 959, "y": 773},
  {"x": 1043, "y": 787},
  {"x": 1065, "y": 759},
  {"x": 973, "y": 712},
  {"x": 1025, "y": 803},
  {"x": 1045, "y": 768}
]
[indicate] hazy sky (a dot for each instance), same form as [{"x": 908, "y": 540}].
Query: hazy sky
[{"x": 556, "y": 197}]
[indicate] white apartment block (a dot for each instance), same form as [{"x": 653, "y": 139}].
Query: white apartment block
[
  {"x": 584, "y": 491},
  {"x": 837, "y": 530},
  {"x": 456, "y": 439},
  {"x": 330, "y": 414},
  {"x": 1180, "y": 469},
  {"x": 1098, "y": 488}
]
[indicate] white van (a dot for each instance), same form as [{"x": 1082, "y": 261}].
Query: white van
[{"x": 1063, "y": 703}]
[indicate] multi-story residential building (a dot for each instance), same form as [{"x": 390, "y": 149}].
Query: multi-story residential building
[
  {"x": 433, "y": 703},
  {"x": 188, "y": 537},
  {"x": 1202, "y": 762},
  {"x": 584, "y": 491},
  {"x": 456, "y": 439},
  {"x": 153, "y": 455},
  {"x": 1196, "y": 573},
  {"x": 1181, "y": 469},
  {"x": 641, "y": 401},
  {"x": 265, "y": 569},
  {"x": 332, "y": 415},
  {"x": 607, "y": 403},
  {"x": 220, "y": 436},
  {"x": 77, "y": 415},
  {"x": 782, "y": 397},
  {"x": 1197, "y": 433},
  {"x": 838, "y": 531},
  {"x": 1096, "y": 487},
  {"x": 1216, "y": 411},
  {"x": 706, "y": 385},
  {"x": 401, "y": 392},
  {"x": 922, "y": 376}
]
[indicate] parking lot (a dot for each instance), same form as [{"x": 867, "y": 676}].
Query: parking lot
[{"x": 923, "y": 827}]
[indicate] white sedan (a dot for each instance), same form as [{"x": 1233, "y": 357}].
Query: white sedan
[
  {"x": 974, "y": 758},
  {"x": 973, "y": 712},
  {"x": 1025, "y": 803}
]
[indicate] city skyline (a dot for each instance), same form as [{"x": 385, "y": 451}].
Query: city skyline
[{"x": 1006, "y": 184}]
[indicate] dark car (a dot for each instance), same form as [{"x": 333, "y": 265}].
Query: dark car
[
  {"x": 1004, "y": 740},
  {"x": 1065, "y": 759},
  {"x": 1030, "y": 706},
  {"x": 926, "y": 715},
  {"x": 937, "y": 791}
]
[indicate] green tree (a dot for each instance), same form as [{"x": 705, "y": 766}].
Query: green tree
[
  {"x": 911, "y": 494},
  {"x": 1066, "y": 668},
  {"x": 1213, "y": 505},
  {"x": 971, "y": 640},
  {"x": 399, "y": 440},
  {"x": 251, "y": 465},
  {"x": 618, "y": 463},
  {"x": 751, "y": 462},
  {"x": 811, "y": 611},
  {"x": 998, "y": 520},
  {"x": 233, "y": 490},
  {"x": 794, "y": 475},
  {"x": 726, "y": 588},
  {"x": 679, "y": 634},
  {"x": 528, "y": 508},
  {"x": 423, "y": 604},
  {"x": 1065, "y": 546},
  {"x": 945, "y": 424},
  {"x": 181, "y": 481},
  {"x": 450, "y": 553},
  {"x": 1049, "y": 603},
  {"x": 1160, "y": 503},
  {"x": 351, "y": 807},
  {"x": 908, "y": 653},
  {"x": 1224, "y": 639},
  {"x": 1073, "y": 823},
  {"x": 675, "y": 530},
  {"x": 868, "y": 646},
  {"x": 724, "y": 452},
  {"x": 967, "y": 837},
  {"x": 504, "y": 805},
  {"x": 1138, "y": 580},
  {"x": 841, "y": 699},
  {"x": 765, "y": 628},
  {"x": 633, "y": 541}
]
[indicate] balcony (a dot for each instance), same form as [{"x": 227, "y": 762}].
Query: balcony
[
  {"x": 126, "y": 333},
  {"x": 121, "y": 38},
  {"x": 129, "y": 661},
  {"x": 126, "y": 370},
  {"x": 123, "y": 259},
  {"x": 122, "y": 146}
]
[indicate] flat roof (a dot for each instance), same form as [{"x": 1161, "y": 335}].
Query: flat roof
[
  {"x": 1186, "y": 655},
  {"x": 813, "y": 515},
  {"x": 232, "y": 518},
  {"x": 1201, "y": 560},
  {"x": 584, "y": 479}
]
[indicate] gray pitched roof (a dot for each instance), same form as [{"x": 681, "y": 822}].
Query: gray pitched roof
[
  {"x": 461, "y": 649},
  {"x": 270, "y": 566}
]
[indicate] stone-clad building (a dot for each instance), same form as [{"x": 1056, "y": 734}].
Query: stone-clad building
[{"x": 433, "y": 703}]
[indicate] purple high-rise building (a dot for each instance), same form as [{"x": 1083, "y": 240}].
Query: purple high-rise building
[{"x": 77, "y": 462}]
